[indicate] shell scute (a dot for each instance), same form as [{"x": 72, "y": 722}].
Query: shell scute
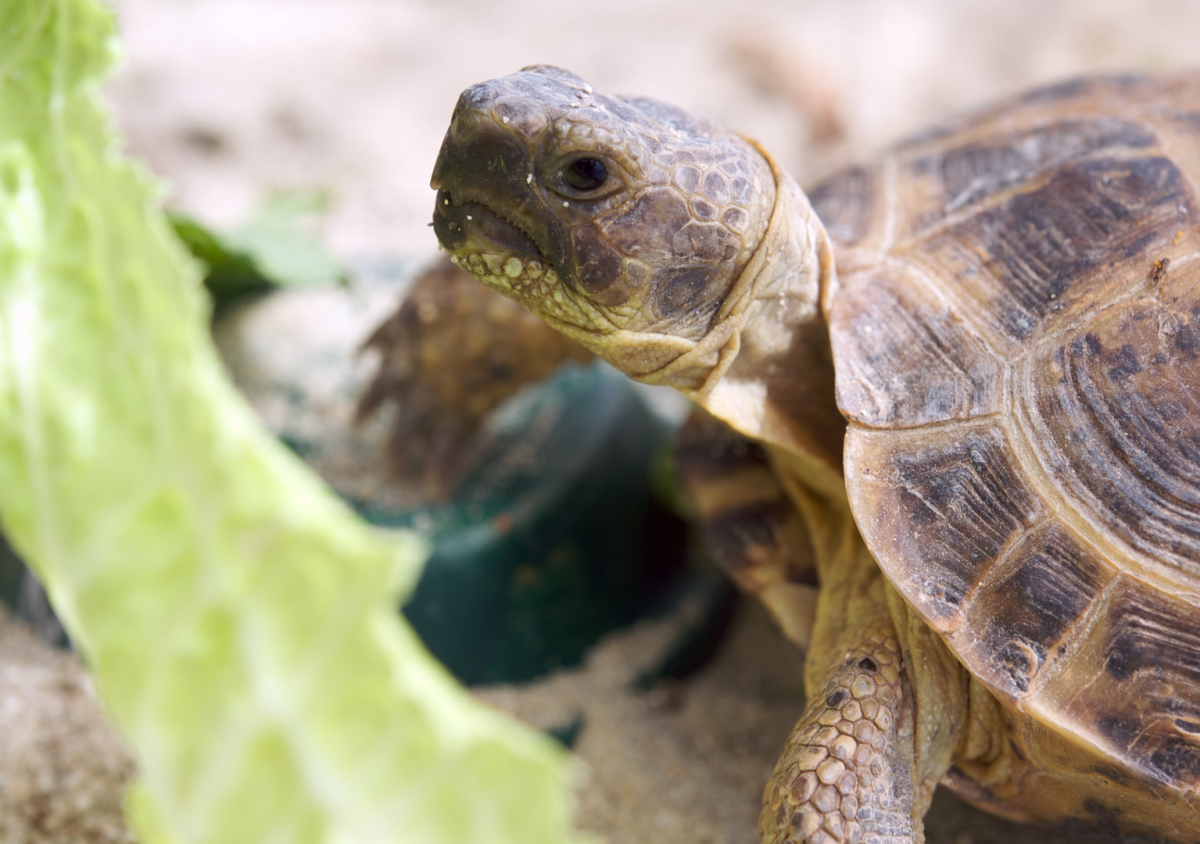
[
  {"x": 1023, "y": 615},
  {"x": 1045, "y": 257},
  {"x": 849, "y": 204},
  {"x": 906, "y": 359},
  {"x": 943, "y": 510},
  {"x": 948, "y": 180},
  {"x": 1140, "y": 694},
  {"x": 1115, "y": 415}
]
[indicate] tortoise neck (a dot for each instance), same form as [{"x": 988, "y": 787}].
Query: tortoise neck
[{"x": 776, "y": 382}]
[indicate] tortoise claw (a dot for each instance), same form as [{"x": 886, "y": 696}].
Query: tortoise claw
[{"x": 452, "y": 353}]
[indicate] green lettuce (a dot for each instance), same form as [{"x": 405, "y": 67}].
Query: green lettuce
[{"x": 239, "y": 622}]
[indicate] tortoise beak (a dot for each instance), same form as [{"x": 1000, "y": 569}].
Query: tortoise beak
[
  {"x": 486, "y": 174},
  {"x": 484, "y": 199}
]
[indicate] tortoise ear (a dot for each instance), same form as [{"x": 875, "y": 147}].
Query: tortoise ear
[{"x": 554, "y": 71}]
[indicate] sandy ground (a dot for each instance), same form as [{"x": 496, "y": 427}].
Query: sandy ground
[
  {"x": 230, "y": 100},
  {"x": 61, "y": 768}
]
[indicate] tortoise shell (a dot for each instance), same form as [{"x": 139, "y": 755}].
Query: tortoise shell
[{"x": 1016, "y": 334}]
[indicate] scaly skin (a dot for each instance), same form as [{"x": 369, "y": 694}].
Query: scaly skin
[
  {"x": 751, "y": 528},
  {"x": 845, "y": 773},
  {"x": 651, "y": 251},
  {"x": 696, "y": 262}
]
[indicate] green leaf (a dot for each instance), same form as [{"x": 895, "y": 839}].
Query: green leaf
[
  {"x": 228, "y": 274},
  {"x": 240, "y": 623},
  {"x": 274, "y": 248},
  {"x": 279, "y": 242}
]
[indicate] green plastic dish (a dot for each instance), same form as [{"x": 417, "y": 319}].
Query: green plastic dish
[{"x": 553, "y": 540}]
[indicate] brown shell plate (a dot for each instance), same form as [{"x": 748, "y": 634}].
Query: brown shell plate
[{"x": 1016, "y": 333}]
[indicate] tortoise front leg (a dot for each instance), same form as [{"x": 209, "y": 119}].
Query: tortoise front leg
[{"x": 846, "y": 772}]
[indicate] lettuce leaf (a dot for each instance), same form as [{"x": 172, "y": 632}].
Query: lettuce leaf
[{"x": 240, "y": 623}]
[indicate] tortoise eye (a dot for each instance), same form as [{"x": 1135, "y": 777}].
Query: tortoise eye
[{"x": 585, "y": 174}]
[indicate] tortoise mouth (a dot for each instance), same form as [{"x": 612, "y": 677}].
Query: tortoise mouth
[{"x": 469, "y": 226}]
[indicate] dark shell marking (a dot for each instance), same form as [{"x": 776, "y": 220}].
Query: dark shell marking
[
  {"x": 846, "y": 203},
  {"x": 968, "y": 174},
  {"x": 1119, "y": 406},
  {"x": 1020, "y": 362},
  {"x": 1043, "y": 258},
  {"x": 944, "y": 509},
  {"x": 1024, "y": 614}
]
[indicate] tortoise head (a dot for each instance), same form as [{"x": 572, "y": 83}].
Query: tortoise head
[{"x": 621, "y": 221}]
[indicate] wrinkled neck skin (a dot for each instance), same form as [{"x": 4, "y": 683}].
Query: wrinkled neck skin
[{"x": 765, "y": 366}]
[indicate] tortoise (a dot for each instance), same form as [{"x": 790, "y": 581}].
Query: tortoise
[{"x": 952, "y": 438}]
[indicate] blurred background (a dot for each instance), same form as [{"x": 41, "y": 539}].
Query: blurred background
[
  {"x": 259, "y": 114},
  {"x": 229, "y": 99}
]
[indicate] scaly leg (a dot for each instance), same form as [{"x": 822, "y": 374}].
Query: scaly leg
[
  {"x": 846, "y": 772},
  {"x": 751, "y": 527}
]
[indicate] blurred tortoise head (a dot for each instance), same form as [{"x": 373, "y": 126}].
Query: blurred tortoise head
[{"x": 962, "y": 469}]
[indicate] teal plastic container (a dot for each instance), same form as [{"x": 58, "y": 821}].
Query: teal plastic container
[
  {"x": 12, "y": 575},
  {"x": 553, "y": 540}
]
